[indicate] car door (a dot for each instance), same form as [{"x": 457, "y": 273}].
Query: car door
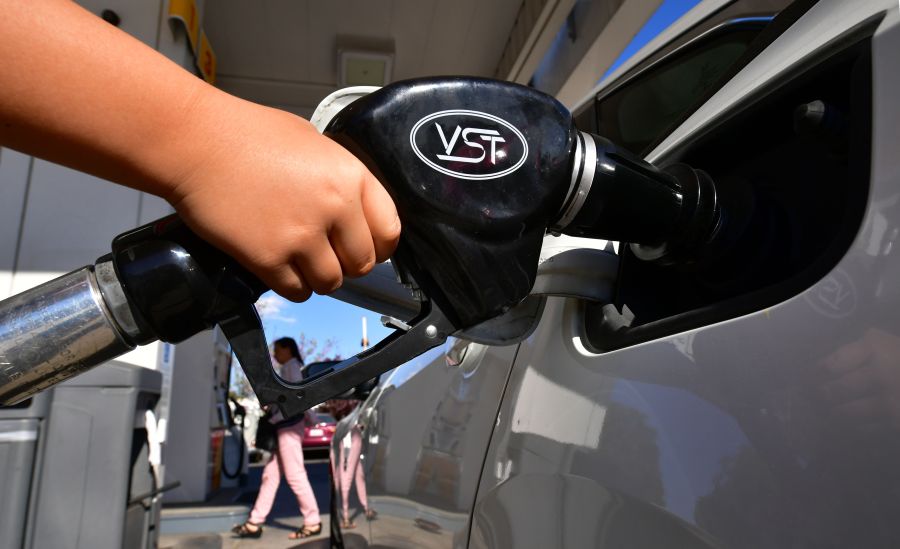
[
  {"x": 751, "y": 400},
  {"x": 423, "y": 433}
]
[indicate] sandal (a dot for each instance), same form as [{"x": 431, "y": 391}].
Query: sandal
[
  {"x": 306, "y": 532},
  {"x": 243, "y": 530},
  {"x": 347, "y": 524}
]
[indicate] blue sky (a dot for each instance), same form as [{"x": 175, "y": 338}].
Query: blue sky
[{"x": 320, "y": 318}]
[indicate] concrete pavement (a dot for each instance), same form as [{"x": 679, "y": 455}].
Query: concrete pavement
[{"x": 284, "y": 519}]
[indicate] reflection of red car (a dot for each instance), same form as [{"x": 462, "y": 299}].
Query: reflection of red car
[{"x": 319, "y": 435}]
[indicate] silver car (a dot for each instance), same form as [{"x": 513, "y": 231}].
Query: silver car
[{"x": 750, "y": 401}]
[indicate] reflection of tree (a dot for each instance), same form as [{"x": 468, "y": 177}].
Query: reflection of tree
[
  {"x": 239, "y": 386},
  {"x": 745, "y": 507},
  {"x": 627, "y": 460},
  {"x": 312, "y": 352},
  {"x": 823, "y": 468}
]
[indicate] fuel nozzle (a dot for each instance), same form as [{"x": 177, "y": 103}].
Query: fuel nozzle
[
  {"x": 668, "y": 215},
  {"x": 481, "y": 169}
]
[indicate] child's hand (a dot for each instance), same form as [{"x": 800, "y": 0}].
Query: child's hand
[{"x": 292, "y": 206}]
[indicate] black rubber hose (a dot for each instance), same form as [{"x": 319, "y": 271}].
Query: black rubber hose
[{"x": 243, "y": 448}]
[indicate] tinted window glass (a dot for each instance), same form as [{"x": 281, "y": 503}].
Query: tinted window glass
[
  {"x": 641, "y": 111},
  {"x": 316, "y": 368}
]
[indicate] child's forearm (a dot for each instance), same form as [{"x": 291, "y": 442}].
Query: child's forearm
[{"x": 82, "y": 93}]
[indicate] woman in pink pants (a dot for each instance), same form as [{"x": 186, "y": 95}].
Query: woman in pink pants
[{"x": 287, "y": 459}]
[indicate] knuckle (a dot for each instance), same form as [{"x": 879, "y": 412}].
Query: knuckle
[
  {"x": 394, "y": 230},
  {"x": 360, "y": 265},
  {"x": 328, "y": 284},
  {"x": 297, "y": 295},
  {"x": 294, "y": 290},
  {"x": 303, "y": 294},
  {"x": 366, "y": 268},
  {"x": 267, "y": 261}
]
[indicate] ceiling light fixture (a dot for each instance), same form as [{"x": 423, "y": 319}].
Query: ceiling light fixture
[{"x": 365, "y": 61}]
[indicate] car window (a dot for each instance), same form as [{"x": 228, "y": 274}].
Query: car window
[
  {"x": 767, "y": 157},
  {"x": 641, "y": 110}
]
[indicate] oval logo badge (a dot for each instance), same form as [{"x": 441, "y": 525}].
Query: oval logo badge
[{"x": 469, "y": 144}]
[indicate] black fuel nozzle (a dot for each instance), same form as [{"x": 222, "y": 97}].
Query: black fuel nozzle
[
  {"x": 177, "y": 284},
  {"x": 474, "y": 167},
  {"x": 479, "y": 171},
  {"x": 669, "y": 216}
]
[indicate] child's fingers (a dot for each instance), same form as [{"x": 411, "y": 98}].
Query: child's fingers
[
  {"x": 353, "y": 245},
  {"x": 286, "y": 280},
  {"x": 381, "y": 215},
  {"x": 319, "y": 265}
]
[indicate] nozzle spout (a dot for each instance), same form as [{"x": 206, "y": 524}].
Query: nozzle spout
[
  {"x": 665, "y": 214},
  {"x": 53, "y": 332}
]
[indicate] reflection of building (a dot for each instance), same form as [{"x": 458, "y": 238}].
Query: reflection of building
[
  {"x": 377, "y": 443},
  {"x": 439, "y": 463}
]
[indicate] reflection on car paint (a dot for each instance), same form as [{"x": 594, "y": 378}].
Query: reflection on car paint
[{"x": 422, "y": 480}]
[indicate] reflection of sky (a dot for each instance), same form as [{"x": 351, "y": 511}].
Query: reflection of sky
[
  {"x": 411, "y": 368},
  {"x": 702, "y": 436},
  {"x": 666, "y": 14},
  {"x": 546, "y": 408}
]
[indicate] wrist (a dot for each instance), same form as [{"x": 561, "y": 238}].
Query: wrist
[{"x": 190, "y": 142}]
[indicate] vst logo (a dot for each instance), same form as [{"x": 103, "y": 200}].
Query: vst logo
[{"x": 469, "y": 144}]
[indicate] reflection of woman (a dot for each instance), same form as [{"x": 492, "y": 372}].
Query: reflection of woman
[
  {"x": 347, "y": 468},
  {"x": 287, "y": 459},
  {"x": 351, "y": 471}
]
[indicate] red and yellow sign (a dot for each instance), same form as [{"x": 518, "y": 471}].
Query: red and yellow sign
[
  {"x": 206, "y": 60},
  {"x": 186, "y": 12}
]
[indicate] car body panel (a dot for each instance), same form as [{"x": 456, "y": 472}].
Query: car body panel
[
  {"x": 774, "y": 429},
  {"x": 424, "y": 433}
]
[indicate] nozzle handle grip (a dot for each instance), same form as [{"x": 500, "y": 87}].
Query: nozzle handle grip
[{"x": 178, "y": 285}]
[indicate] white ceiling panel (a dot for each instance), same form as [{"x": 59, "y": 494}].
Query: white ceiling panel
[
  {"x": 447, "y": 39},
  {"x": 365, "y": 17},
  {"x": 411, "y": 26},
  {"x": 294, "y": 42},
  {"x": 319, "y": 36},
  {"x": 488, "y": 34}
]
